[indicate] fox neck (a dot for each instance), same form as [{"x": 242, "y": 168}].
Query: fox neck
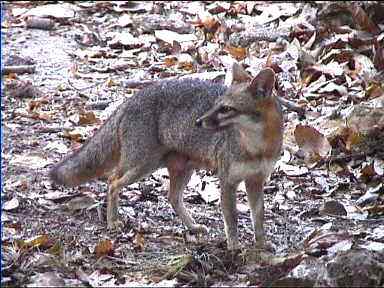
[{"x": 263, "y": 139}]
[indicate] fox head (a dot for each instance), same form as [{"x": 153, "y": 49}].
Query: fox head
[{"x": 244, "y": 101}]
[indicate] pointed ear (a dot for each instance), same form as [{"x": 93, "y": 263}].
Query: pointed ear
[
  {"x": 236, "y": 74},
  {"x": 263, "y": 83}
]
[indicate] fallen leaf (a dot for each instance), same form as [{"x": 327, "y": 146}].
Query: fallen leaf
[
  {"x": 362, "y": 19},
  {"x": 37, "y": 103},
  {"x": 79, "y": 203},
  {"x": 41, "y": 241},
  {"x": 87, "y": 118},
  {"x": 57, "y": 146},
  {"x": 170, "y": 36},
  {"x": 170, "y": 61},
  {"x": 373, "y": 246},
  {"x": 333, "y": 207},
  {"x": 208, "y": 21},
  {"x": 371, "y": 196},
  {"x": 62, "y": 10},
  {"x": 124, "y": 20},
  {"x": 239, "y": 53},
  {"x": 125, "y": 39},
  {"x": 312, "y": 141},
  {"x": 378, "y": 166},
  {"x": 47, "y": 279},
  {"x": 292, "y": 170},
  {"x": 139, "y": 241},
  {"x": 103, "y": 248},
  {"x": 73, "y": 135},
  {"x": 32, "y": 161},
  {"x": 208, "y": 190},
  {"x": 352, "y": 138},
  {"x": 98, "y": 279},
  {"x": 368, "y": 171},
  {"x": 11, "y": 204}
]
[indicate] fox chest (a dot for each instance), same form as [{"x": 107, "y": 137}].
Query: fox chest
[{"x": 241, "y": 170}]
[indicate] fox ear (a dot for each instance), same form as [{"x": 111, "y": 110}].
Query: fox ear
[
  {"x": 263, "y": 83},
  {"x": 236, "y": 74}
]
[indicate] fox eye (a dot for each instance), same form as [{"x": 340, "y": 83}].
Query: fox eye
[{"x": 226, "y": 109}]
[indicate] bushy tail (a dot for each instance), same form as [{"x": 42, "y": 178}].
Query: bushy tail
[{"x": 97, "y": 156}]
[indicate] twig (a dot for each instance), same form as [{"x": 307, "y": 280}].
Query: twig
[
  {"x": 123, "y": 261},
  {"x": 18, "y": 69},
  {"x": 39, "y": 23},
  {"x": 100, "y": 105},
  {"x": 49, "y": 129},
  {"x": 84, "y": 88},
  {"x": 291, "y": 106}
]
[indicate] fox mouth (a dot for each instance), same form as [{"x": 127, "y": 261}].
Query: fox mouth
[
  {"x": 216, "y": 128},
  {"x": 213, "y": 124}
]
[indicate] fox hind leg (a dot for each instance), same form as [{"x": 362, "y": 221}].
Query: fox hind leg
[
  {"x": 125, "y": 175},
  {"x": 115, "y": 185},
  {"x": 180, "y": 171}
]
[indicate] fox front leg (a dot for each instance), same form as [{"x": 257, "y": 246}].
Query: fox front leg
[
  {"x": 228, "y": 207},
  {"x": 255, "y": 193}
]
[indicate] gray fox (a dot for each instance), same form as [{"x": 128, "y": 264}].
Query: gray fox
[{"x": 184, "y": 125}]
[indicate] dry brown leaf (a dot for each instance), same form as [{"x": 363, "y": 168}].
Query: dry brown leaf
[
  {"x": 375, "y": 89},
  {"x": 362, "y": 19},
  {"x": 110, "y": 82},
  {"x": 312, "y": 141},
  {"x": 378, "y": 59},
  {"x": 185, "y": 62},
  {"x": 41, "y": 116},
  {"x": 73, "y": 135},
  {"x": 375, "y": 210},
  {"x": 239, "y": 53},
  {"x": 56, "y": 249},
  {"x": 37, "y": 103},
  {"x": 35, "y": 115},
  {"x": 103, "y": 248},
  {"x": 170, "y": 61},
  {"x": 10, "y": 76},
  {"x": 41, "y": 241},
  {"x": 209, "y": 22},
  {"x": 353, "y": 139},
  {"x": 218, "y": 7},
  {"x": 87, "y": 118},
  {"x": 368, "y": 171},
  {"x": 139, "y": 241}
]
